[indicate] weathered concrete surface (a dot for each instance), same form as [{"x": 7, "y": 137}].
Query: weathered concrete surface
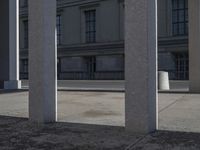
[
  {"x": 81, "y": 107},
  {"x": 141, "y": 66},
  {"x": 169, "y": 141},
  {"x": 9, "y": 44},
  {"x": 19, "y": 134},
  {"x": 108, "y": 85},
  {"x": 182, "y": 113},
  {"x": 87, "y": 85},
  {"x": 177, "y": 112},
  {"x": 194, "y": 43},
  {"x": 42, "y": 67}
]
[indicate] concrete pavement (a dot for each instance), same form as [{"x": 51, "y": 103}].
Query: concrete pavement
[
  {"x": 107, "y": 85},
  {"x": 87, "y": 85},
  {"x": 177, "y": 112}
]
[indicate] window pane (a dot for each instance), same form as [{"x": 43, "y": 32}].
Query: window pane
[
  {"x": 90, "y": 26},
  {"x": 58, "y": 28},
  {"x": 181, "y": 4},
  {"x": 174, "y": 3},
  {"x": 181, "y": 28},
  {"x": 26, "y": 34},
  {"x": 180, "y": 17}
]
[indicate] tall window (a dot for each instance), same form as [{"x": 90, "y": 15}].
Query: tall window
[
  {"x": 25, "y": 65},
  {"x": 90, "y": 26},
  {"x": 24, "y": 69},
  {"x": 182, "y": 66},
  {"x": 26, "y": 34},
  {"x": 25, "y": 4},
  {"x": 180, "y": 17},
  {"x": 58, "y": 26}
]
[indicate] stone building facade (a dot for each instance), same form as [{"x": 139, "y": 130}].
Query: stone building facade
[
  {"x": 90, "y": 38},
  {"x": 173, "y": 38}
]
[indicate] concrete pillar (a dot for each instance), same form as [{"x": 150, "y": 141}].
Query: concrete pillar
[
  {"x": 42, "y": 61},
  {"x": 9, "y": 44},
  {"x": 141, "y": 66},
  {"x": 194, "y": 45}
]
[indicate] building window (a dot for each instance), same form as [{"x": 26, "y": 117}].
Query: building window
[
  {"x": 180, "y": 17},
  {"x": 182, "y": 66},
  {"x": 58, "y": 26},
  {"x": 24, "y": 69},
  {"x": 25, "y": 65},
  {"x": 90, "y": 26},
  {"x": 25, "y": 4},
  {"x": 26, "y": 34}
]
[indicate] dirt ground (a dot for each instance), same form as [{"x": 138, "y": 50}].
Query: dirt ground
[{"x": 19, "y": 134}]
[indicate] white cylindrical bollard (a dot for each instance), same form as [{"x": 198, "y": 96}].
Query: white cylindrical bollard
[{"x": 163, "y": 80}]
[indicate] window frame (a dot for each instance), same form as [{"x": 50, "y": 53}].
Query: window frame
[
  {"x": 59, "y": 29},
  {"x": 26, "y": 38},
  {"x": 90, "y": 25},
  {"x": 177, "y": 22}
]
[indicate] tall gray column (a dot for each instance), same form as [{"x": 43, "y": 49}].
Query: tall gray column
[
  {"x": 194, "y": 45},
  {"x": 141, "y": 66},
  {"x": 9, "y": 47},
  {"x": 42, "y": 61}
]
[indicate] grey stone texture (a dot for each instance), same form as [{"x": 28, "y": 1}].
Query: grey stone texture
[
  {"x": 42, "y": 61},
  {"x": 4, "y": 38},
  {"x": 9, "y": 47},
  {"x": 12, "y": 85},
  {"x": 194, "y": 44},
  {"x": 110, "y": 34},
  {"x": 177, "y": 112},
  {"x": 141, "y": 65}
]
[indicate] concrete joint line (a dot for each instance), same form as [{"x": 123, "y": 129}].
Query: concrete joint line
[
  {"x": 131, "y": 146},
  {"x": 171, "y": 104}
]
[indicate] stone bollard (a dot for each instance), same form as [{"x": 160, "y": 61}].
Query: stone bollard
[{"x": 163, "y": 80}]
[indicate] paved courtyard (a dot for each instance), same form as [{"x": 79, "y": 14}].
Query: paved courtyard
[
  {"x": 93, "y": 111},
  {"x": 106, "y": 85},
  {"x": 179, "y": 112}
]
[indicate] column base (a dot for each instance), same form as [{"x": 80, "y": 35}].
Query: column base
[{"x": 12, "y": 84}]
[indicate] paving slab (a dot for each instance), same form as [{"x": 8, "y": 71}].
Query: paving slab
[
  {"x": 181, "y": 115},
  {"x": 176, "y": 86},
  {"x": 165, "y": 140},
  {"x": 177, "y": 112}
]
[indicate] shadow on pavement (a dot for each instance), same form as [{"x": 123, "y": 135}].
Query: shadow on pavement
[
  {"x": 2, "y": 91},
  {"x": 19, "y": 134}
]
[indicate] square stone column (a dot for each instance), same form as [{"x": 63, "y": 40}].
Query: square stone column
[
  {"x": 194, "y": 45},
  {"x": 9, "y": 44},
  {"x": 141, "y": 108},
  {"x": 42, "y": 61}
]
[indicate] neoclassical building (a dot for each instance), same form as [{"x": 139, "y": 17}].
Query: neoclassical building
[
  {"x": 90, "y": 38},
  {"x": 173, "y": 38},
  {"x": 141, "y": 44}
]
